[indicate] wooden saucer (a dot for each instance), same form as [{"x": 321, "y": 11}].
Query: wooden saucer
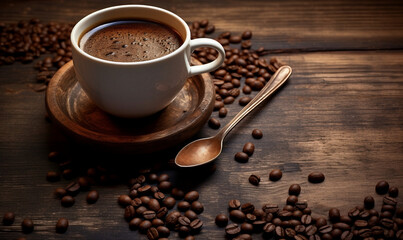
[{"x": 70, "y": 108}]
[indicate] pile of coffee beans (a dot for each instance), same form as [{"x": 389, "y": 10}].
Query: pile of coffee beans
[
  {"x": 295, "y": 220},
  {"x": 242, "y": 66},
  {"x": 149, "y": 208},
  {"x": 26, "y": 41}
]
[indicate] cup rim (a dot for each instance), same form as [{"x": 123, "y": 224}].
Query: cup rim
[{"x": 74, "y": 32}]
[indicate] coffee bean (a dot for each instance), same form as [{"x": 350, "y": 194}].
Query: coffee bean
[
  {"x": 247, "y": 35},
  {"x": 342, "y": 226},
  {"x": 234, "y": 204},
  {"x": 254, "y": 179},
  {"x": 232, "y": 229},
  {"x": 52, "y": 176},
  {"x": 369, "y": 202},
  {"x": 152, "y": 233},
  {"x": 163, "y": 231},
  {"x": 347, "y": 235},
  {"x": 320, "y": 221},
  {"x": 196, "y": 225},
  {"x": 247, "y": 208},
  {"x": 237, "y": 216},
  {"x": 393, "y": 192},
  {"x": 92, "y": 197},
  {"x": 310, "y": 230},
  {"x": 124, "y": 200},
  {"x": 292, "y": 200},
  {"x": 162, "y": 212},
  {"x": 275, "y": 175},
  {"x": 387, "y": 223},
  {"x": 154, "y": 205},
  {"x": 364, "y": 233},
  {"x": 144, "y": 226},
  {"x": 159, "y": 196},
  {"x": 144, "y": 200},
  {"x": 241, "y": 157},
  {"x": 316, "y": 177},
  {"x": 294, "y": 189},
  {"x": 249, "y": 148},
  {"x": 191, "y": 215},
  {"x": 62, "y": 225},
  {"x": 302, "y": 205},
  {"x": 152, "y": 178},
  {"x": 67, "y": 201},
  {"x": 382, "y": 187},
  {"x": 73, "y": 188},
  {"x": 218, "y": 105},
  {"x": 243, "y": 101},
  {"x": 334, "y": 214},
  {"x": 183, "y": 206},
  {"x": 156, "y": 222},
  {"x": 222, "y": 112},
  {"x": 169, "y": 202},
  {"x": 197, "y": 207},
  {"x": 221, "y": 220},
  {"x": 130, "y": 212},
  {"x": 27, "y": 225},
  {"x": 306, "y": 219},
  {"x": 135, "y": 223},
  {"x": 387, "y": 208},
  {"x": 389, "y": 201},
  {"x": 60, "y": 192},
  {"x": 8, "y": 218},
  {"x": 246, "y": 227},
  {"x": 165, "y": 186},
  {"x": 257, "y": 134},
  {"x": 214, "y": 123},
  {"x": 246, "y": 90},
  {"x": 325, "y": 229},
  {"x": 191, "y": 196},
  {"x": 270, "y": 208}
]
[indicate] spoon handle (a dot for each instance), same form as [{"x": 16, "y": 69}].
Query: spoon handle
[{"x": 272, "y": 85}]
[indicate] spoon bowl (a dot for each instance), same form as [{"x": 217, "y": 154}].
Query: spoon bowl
[{"x": 205, "y": 150}]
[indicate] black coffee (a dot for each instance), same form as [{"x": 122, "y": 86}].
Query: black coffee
[{"x": 130, "y": 41}]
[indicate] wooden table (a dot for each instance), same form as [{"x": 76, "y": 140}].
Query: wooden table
[{"x": 341, "y": 113}]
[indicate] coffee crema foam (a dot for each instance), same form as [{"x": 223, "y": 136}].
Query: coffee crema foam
[{"x": 130, "y": 41}]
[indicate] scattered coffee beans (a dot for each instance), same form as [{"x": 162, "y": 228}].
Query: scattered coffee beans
[
  {"x": 294, "y": 189},
  {"x": 275, "y": 175},
  {"x": 214, "y": 123},
  {"x": 393, "y": 192},
  {"x": 221, "y": 220},
  {"x": 316, "y": 177},
  {"x": 92, "y": 197},
  {"x": 62, "y": 225},
  {"x": 241, "y": 157},
  {"x": 249, "y": 148},
  {"x": 67, "y": 201},
  {"x": 8, "y": 218},
  {"x": 254, "y": 179}
]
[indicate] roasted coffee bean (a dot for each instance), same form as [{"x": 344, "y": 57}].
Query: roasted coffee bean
[
  {"x": 235, "y": 39},
  {"x": 387, "y": 223},
  {"x": 234, "y": 204},
  {"x": 377, "y": 230},
  {"x": 183, "y": 231},
  {"x": 8, "y": 218},
  {"x": 300, "y": 228},
  {"x": 27, "y": 225},
  {"x": 364, "y": 233},
  {"x": 277, "y": 221},
  {"x": 249, "y": 217},
  {"x": 389, "y": 201},
  {"x": 364, "y": 214},
  {"x": 347, "y": 235},
  {"x": 254, "y": 179},
  {"x": 124, "y": 200},
  {"x": 196, "y": 225},
  {"x": 320, "y": 222},
  {"x": 60, "y": 192},
  {"x": 232, "y": 229},
  {"x": 334, "y": 214},
  {"x": 177, "y": 193},
  {"x": 341, "y": 226},
  {"x": 134, "y": 223},
  {"x": 229, "y": 100},
  {"x": 162, "y": 212},
  {"x": 302, "y": 205},
  {"x": 275, "y": 175},
  {"x": 154, "y": 205},
  {"x": 393, "y": 192},
  {"x": 191, "y": 215},
  {"x": 246, "y": 90},
  {"x": 345, "y": 219},
  {"x": 221, "y": 220},
  {"x": 270, "y": 208},
  {"x": 243, "y": 101},
  {"x": 152, "y": 233},
  {"x": 295, "y": 189},
  {"x": 354, "y": 212},
  {"x": 360, "y": 223},
  {"x": 247, "y": 208},
  {"x": 310, "y": 230},
  {"x": 163, "y": 231},
  {"x": 140, "y": 210},
  {"x": 292, "y": 200},
  {"x": 369, "y": 202},
  {"x": 279, "y": 232},
  {"x": 62, "y": 225},
  {"x": 241, "y": 157},
  {"x": 92, "y": 197},
  {"x": 67, "y": 201},
  {"x": 184, "y": 221},
  {"x": 316, "y": 177},
  {"x": 159, "y": 196},
  {"x": 249, "y": 148},
  {"x": 144, "y": 190},
  {"x": 130, "y": 212},
  {"x": 373, "y": 220},
  {"x": 246, "y": 227},
  {"x": 52, "y": 176},
  {"x": 246, "y": 35},
  {"x": 144, "y": 226},
  {"x": 387, "y": 208},
  {"x": 191, "y": 196},
  {"x": 214, "y": 123},
  {"x": 172, "y": 219},
  {"x": 218, "y": 104},
  {"x": 144, "y": 200},
  {"x": 306, "y": 219},
  {"x": 325, "y": 229},
  {"x": 169, "y": 202},
  {"x": 73, "y": 189},
  {"x": 197, "y": 207},
  {"x": 382, "y": 187},
  {"x": 336, "y": 233},
  {"x": 222, "y": 112},
  {"x": 257, "y": 134},
  {"x": 157, "y": 222},
  {"x": 237, "y": 216},
  {"x": 165, "y": 186},
  {"x": 183, "y": 206}
]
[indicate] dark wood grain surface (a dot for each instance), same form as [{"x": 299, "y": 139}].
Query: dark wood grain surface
[{"x": 341, "y": 113}]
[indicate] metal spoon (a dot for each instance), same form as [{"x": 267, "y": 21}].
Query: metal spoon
[{"x": 205, "y": 150}]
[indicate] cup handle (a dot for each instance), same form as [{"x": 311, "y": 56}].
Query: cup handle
[{"x": 208, "y": 67}]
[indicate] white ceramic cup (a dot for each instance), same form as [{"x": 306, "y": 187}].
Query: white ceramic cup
[{"x": 138, "y": 89}]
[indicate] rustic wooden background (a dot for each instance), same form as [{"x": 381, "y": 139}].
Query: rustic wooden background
[{"x": 341, "y": 113}]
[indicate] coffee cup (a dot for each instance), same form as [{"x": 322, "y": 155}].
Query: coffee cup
[{"x": 141, "y": 87}]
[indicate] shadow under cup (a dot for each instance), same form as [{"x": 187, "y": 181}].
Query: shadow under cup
[{"x": 132, "y": 89}]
